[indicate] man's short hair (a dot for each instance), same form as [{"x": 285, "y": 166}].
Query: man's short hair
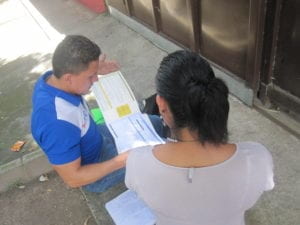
[{"x": 73, "y": 55}]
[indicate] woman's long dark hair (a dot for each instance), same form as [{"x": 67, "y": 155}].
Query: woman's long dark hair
[{"x": 197, "y": 99}]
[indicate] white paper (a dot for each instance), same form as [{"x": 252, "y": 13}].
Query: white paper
[
  {"x": 133, "y": 131},
  {"x": 112, "y": 93},
  {"x": 129, "y": 127},
  {"x": 128, "y": 209}
]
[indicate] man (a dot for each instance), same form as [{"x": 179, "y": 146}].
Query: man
[{"x": 82, "y": 153}]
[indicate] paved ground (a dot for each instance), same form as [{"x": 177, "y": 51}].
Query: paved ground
[
  {"x": 30, "y": 29},
  {"x": 46, "y": 203}
]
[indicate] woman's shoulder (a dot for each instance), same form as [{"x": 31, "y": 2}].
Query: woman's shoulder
[
  {"x": 260, "y": 161},
  {"x": 139, "y": 158},
  {"x": 140, "y": 151},
  {"x": 251, "y": 147},
  {"x": 255, "y": 152}
]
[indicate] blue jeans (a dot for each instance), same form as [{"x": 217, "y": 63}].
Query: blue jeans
[{"x": 109, "y": 151}]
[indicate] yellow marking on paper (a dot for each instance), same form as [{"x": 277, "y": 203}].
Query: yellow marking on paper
[
  {"x": 105, "y": 95},
  {"x": 123, "y": 110}
]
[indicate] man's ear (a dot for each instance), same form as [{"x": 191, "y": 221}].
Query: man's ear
[{"x": 67, "y": 77}]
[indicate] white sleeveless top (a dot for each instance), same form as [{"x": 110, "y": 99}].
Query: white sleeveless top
[{"x": 214, "y": 195}]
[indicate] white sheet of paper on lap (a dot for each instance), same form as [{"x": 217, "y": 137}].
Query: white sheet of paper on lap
[
  {"x": 128, "y": 209},
  {"x": 129, "y": 127}
]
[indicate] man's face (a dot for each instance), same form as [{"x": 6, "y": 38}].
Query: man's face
[{"x": 82, "y": 82}]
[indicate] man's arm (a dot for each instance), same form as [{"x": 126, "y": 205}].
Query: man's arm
[{"x": 75, "y": 175}]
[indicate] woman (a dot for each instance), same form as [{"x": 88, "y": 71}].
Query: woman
[{"x": 200, "y": 178}]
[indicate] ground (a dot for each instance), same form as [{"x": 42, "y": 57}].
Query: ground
[{"x": 48, "y": 203}]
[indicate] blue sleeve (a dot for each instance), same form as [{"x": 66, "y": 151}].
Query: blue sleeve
[{"x": 60, "y": 141}]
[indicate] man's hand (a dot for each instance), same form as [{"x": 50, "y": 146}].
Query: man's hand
[
  {"x": 107, "y": 66},
  {"x": 122, "y": 158}
]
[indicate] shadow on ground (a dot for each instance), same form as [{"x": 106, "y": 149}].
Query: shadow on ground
[{"x": 17, "y": 79}]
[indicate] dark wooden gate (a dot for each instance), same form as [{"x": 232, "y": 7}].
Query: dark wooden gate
[
  {"x": 254, "y": 41},
  {"x": 280, "y": 82}
]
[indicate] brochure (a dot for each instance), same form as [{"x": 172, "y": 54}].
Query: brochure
[{"x": 129, "y": 127}]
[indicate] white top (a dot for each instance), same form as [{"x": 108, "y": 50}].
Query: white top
[{"x": 213, "y": 195}]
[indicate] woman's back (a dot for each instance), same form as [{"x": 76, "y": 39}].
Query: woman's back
[
  {"x": 214, "y": 195},
  {"x": 201, "y": 179}
]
